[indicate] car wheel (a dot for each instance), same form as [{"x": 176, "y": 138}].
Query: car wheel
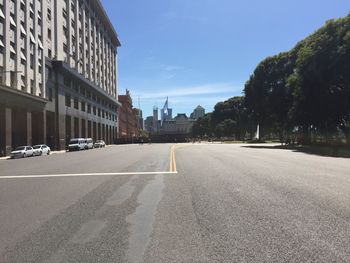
[
  {"x": 24, "y": 155},
  {"x": 41, "y": 153},
  {"x": 48, "y": 152}
]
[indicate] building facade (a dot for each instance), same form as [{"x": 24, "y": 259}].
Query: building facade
[
  {"x": 128, "y": 118},
  {"x": 58, "y": 72},
  {"x": 181, "y": 124},
  {"x": 149, "y": 124},
  {"x": 198, "y": 112}
]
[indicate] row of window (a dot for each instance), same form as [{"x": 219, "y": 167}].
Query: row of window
[
  {"x": 85, "y": 107},
  {"x": 74, "y": 85},
  {"x": 107, "y": 64}
]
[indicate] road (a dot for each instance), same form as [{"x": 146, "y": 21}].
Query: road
[{"x": 201, "y": 203}]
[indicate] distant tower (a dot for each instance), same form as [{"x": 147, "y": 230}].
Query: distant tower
[
  {"x": 166, "y": 113},
  {"x": 198, "y": 112},
  {"x": 155, "y": 119}
]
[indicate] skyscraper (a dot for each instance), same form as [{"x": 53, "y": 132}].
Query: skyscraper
[
  {"x": 166, "y": 112},
  {"x": 155, "y": 119},
  {"x": 198, "y": 112}
]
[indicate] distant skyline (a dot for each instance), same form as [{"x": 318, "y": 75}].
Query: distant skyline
[{"x": 201, "y": 52}]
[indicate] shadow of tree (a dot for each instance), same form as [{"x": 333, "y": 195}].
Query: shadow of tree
[{"x": 321, "y": 150}]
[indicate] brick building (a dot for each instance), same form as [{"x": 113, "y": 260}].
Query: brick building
[{"x": 128, "y": 118}]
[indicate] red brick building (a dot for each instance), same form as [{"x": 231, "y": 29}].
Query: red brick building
[{"x": 128, "y": 118}]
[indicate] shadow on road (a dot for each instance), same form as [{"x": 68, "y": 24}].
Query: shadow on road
[{"x": 321, "y": 150}]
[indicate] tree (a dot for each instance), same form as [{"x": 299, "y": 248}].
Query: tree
[{"x": 321, "y": 82}]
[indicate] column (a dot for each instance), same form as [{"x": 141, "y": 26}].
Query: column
[
  {"x": 29, "y": 128},
  {"x": 8, "y": 130}
]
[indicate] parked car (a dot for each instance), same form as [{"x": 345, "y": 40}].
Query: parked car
[
  {"x": 99, "y": 144},
  {"x": 22, "y": 152},
  {"x": 41, "y": 149},
  {"x": 76, "y": 144},
  {"x": 89, "y": 143}
]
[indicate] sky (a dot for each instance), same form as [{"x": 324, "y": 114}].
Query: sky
[{"x": 200, "y": 52}]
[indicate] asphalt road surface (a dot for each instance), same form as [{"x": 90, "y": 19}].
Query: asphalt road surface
[{"x": 225, "y": 203}]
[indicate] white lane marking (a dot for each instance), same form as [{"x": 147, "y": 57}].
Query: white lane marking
[{"x": 85, "y": 174}]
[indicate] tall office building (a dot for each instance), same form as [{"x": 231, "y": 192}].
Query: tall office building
[
  {"x": 155, "y": 119},
  {"x": 198, "y": 112},
  {"x": 58, "y": 72}
]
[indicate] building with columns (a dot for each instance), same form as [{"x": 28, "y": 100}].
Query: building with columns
[{"x": 58, "y": 73}]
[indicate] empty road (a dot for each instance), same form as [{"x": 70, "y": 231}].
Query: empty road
[{"x": 175, "y": 203}]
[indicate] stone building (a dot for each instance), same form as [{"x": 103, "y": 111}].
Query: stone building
[
  {"x": 58, "y": 72},
  {"x": 180, "y": 124}
]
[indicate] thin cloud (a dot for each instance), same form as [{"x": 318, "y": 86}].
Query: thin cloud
[{"x": 219, "y": 88}]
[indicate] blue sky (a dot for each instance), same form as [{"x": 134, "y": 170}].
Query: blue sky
[{"x": 203, "y": 51}]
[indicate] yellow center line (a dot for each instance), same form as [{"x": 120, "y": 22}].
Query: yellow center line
[{"x": 174, "y": 161}]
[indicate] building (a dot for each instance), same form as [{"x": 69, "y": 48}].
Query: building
[
  {"x": 198, "y": 112},
  {"x": 149, "y": 124},
  {"x": 181, "y": 124},
  {"x": 155, "y": 125},
  {"x": 58, "y": 72},
  {"x": 166, "y": 113},
  {"x": 128, "y": 118},
  {"x": 141, "y": 121}
]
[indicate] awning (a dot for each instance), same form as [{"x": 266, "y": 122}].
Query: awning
[
  {"x": 23, "y": 56},
  {"x": 2, "y": 14},
  {"x": 32, "y": 38},
  {"x": 23, "y": 31},
  {"x": 40, "y": 44},
  {"x": 1, "y": 44},
  {"x": 12, "y": 49},
  {"x": 12, "y": 21}
]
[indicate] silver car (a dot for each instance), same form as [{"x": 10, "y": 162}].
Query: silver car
[
  {"x": 41, "y": 149},
  {"x": 99, "y": 144},
  {"x": 22, "y": 152}
]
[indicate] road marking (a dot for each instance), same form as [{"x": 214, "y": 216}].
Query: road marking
[
  {"x": 172, "y": 160},
  {"x": 83, "y": 174}
]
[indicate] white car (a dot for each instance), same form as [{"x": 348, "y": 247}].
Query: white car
[
  {"x": 99, "y": 144},
  {"x": 77, "y": 144},
  {"x": 89, "y": 143},
  {"x": 22, "y": 152},
  {"x": 41, "y": 149}
]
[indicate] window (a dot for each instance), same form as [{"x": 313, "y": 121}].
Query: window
[
  {"x": 82, "y": 106},
  {"x": 68, "y": 100},
  {"x": 49, "y": 33},
  {"x": 89, "y": 108},
  {"x": 49, "y": 14},
  {"x": 49, "y": 94},
  {"x": 76, "y": 103},
  {"x": 66, "y": 82}
]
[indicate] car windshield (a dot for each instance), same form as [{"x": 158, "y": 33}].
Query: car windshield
[
  {"x": 73, "y": 141},
  {"x": 36, "y": 147},
  {"x": 20, "y": 148}
]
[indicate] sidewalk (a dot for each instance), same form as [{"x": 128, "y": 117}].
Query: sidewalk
[{"x": 52, "y": 152}]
